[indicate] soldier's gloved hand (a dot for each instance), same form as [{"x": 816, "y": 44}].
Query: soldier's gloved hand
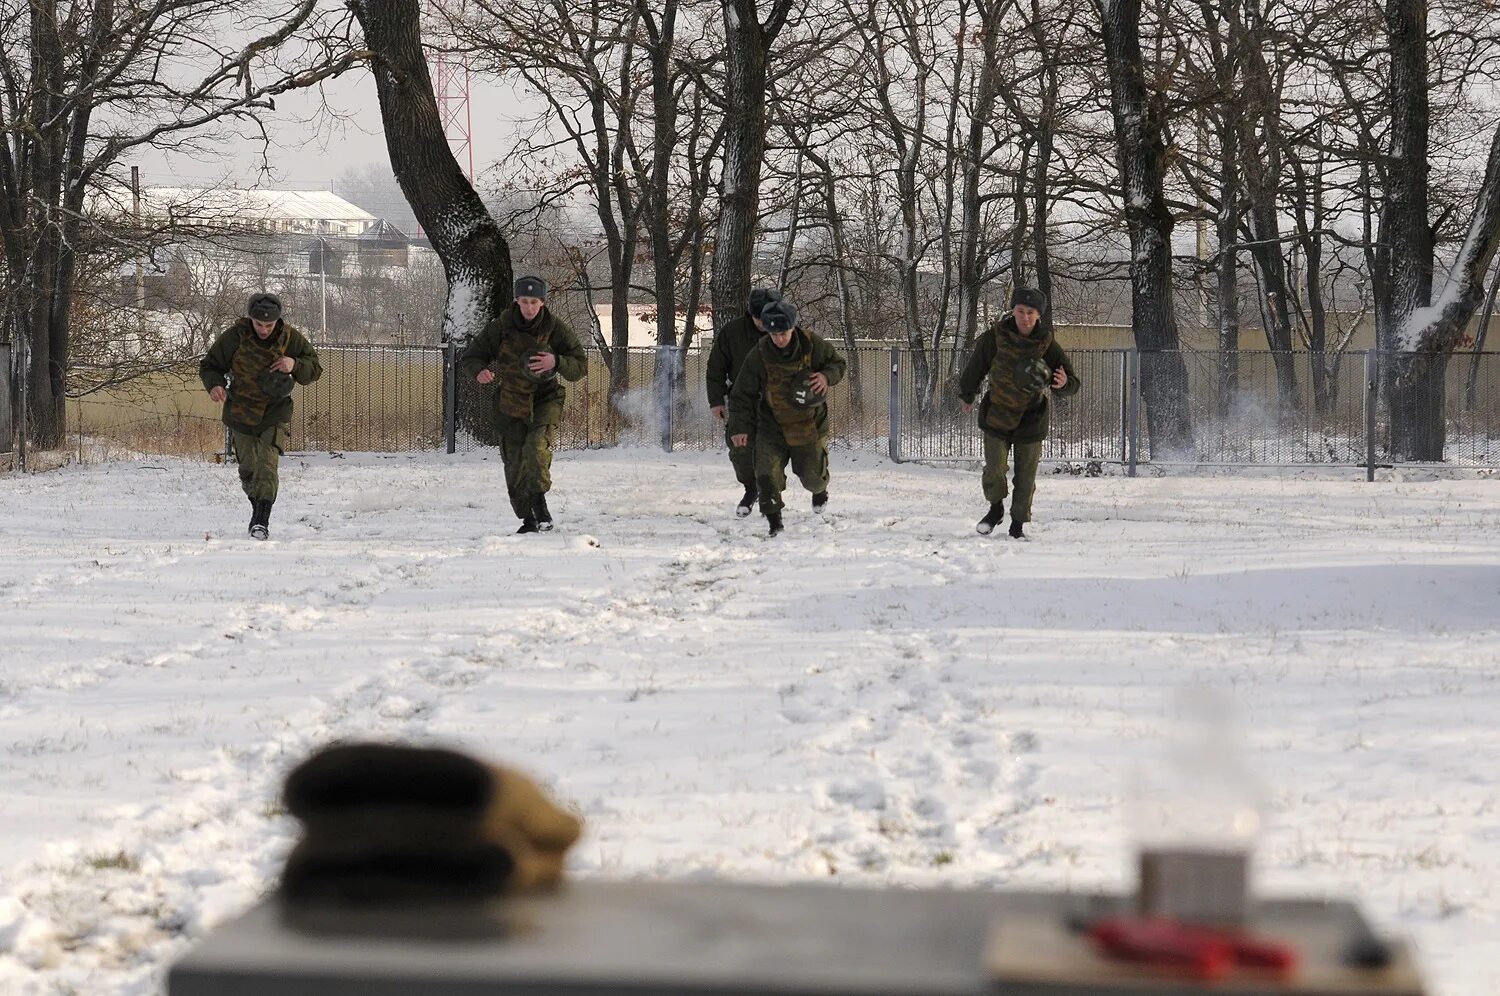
[{"x": 383, "y": 821}]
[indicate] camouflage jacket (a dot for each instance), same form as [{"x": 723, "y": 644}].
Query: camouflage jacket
[
  {"x": 749, "y": 406},
  {"x": 238, "y": 350},
  {"x": 496, "y": 349},
  {"x": 1001, "y": 354}
]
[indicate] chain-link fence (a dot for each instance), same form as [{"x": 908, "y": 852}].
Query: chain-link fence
[
  {"x": 1245, "y": 408},
  {"x": 372, "y": 399},
  {"x": 932, "y": 425},
  {"x": 647, "y": 411}
]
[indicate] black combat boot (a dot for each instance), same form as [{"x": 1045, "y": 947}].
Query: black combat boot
[
  {"x": 528, "y": 525},
  {"x": 991, "y": 518},
  {"x": 774, "y": 520},
  {"x": 820, "y": 501},
  {"x": 747, "y": 502},
  {"x": 1015, "y": 529},
  {"x": 540, "y": 513},
  {"x": 260, "y": 520}
]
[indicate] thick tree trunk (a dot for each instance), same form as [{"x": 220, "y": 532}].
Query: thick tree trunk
[
  {"x": 1405, "y": 234},
  {"x": 656, "y": 198},
  {"x": 475, "y": 255},
  {"x": 747, "y": 45},
  {"x": 1138, "y": 134}
]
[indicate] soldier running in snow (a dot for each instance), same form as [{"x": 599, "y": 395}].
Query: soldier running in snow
[
  {"x": 779, "y": 395},
  {"x": 250, "y": 370},
  {"x": 523, "y": 351},
  {"x": 1022, "y": 362},
  {"x": 735, "y": 341}
]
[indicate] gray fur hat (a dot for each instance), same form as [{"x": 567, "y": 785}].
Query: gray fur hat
[
  {"x": 779, "y": 316},
  {"x": 531, "y": 287},
  {"x": 264, "y": 307}
]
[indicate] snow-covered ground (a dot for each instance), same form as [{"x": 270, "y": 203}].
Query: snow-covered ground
[{"x": 878, "y": 696}]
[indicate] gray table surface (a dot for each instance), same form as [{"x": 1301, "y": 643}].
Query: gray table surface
[{"x": 673, "y": 939}]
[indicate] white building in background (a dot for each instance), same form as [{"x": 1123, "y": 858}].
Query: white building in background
[
  {"x": 642, "y": 324},
  {"x": 266, "y": 212}
]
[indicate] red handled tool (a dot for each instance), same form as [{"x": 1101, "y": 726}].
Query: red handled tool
[{"x": 1205, "y": 953}]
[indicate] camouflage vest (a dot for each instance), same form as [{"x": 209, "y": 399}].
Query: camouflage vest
[
  {"x": 248, "y": 401},
  {"x": 1017, "y": 376},
  {"x": 799, "y": 426},
  {"x": 515, "y": 388}
]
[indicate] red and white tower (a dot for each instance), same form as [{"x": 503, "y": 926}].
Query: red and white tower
[{"x": 450, "y": 80}]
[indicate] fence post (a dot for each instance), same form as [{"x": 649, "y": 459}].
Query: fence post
[
  {"x": 893, "y": 428},
  {"x": 450, "y": 396},
  {"x": 664, "y": 386},
  {"x": 1124, "y": 407},
  {"x": 1372, "y": 400},
  {"x": 1132, "y": 409}
]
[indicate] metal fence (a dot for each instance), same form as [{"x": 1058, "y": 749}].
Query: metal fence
[
  {"x": 373, "y": 398},
  {"x": 1275, "y": 410}
]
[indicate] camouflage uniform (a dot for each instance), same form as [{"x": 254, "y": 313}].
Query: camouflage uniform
[
  {"x": 734, "y": 342},
  {"x": 1015, "y": 412},
  {"x": 761, "y": 404},
  {"x": 258, "y": 422},
  {"x": 527, "y": 410}
]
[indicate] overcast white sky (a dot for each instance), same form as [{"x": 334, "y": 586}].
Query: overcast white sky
[{"x": 311, "y": 147}]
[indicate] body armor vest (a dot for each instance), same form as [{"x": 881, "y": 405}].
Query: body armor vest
[
  {"x": 799, "y": 426},
  {"x": 515, "y": 385},
  {"x": 248, "y": 400},
  {"x": 1017, "y": 380}
]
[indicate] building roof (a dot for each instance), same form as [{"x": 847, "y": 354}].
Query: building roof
[
  {"x": 257, "y": 204},
  {"x": 383, "y": 229}
]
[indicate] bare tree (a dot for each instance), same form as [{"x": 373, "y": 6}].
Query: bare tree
[
  {"x": 1142, "y": 153},
  {"x": 1424, "y": 329},
  {"x": 475, "y": 255},
  {"x": 747, "y": 51},
  {"x": 88, "y": 84}
]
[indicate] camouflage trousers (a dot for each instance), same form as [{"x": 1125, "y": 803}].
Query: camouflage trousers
[
  {"x": 526, "y": 452},
  {"x": 742, "y": 458},
  {"x": 1027, "y": 456},
  {"x": 809, "y": 463},
  {"x": 259, "y": 457}
]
